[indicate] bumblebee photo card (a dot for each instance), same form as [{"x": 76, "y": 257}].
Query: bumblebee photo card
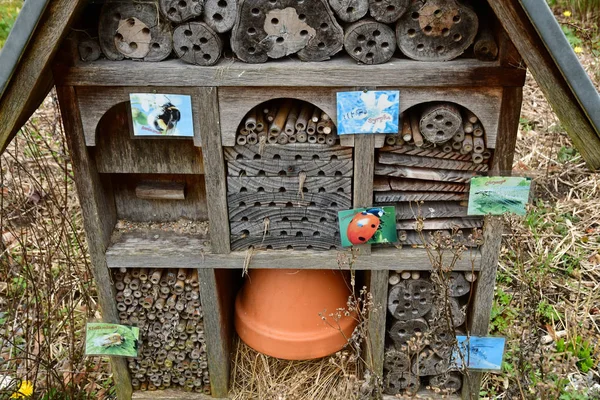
[
  {"x": 103, "y": 339},
  {"x": 161, "y": 115},
  {"x": 368, "y": 225},
  {"x": 373, "y": 111},
  {"x": 479, "y": 353},
  {"x": 496, "y": 195}
]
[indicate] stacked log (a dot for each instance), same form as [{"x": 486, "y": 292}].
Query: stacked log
[
  {"x": 426, "y": 172},
  {"x": 165, "y": 305},
  {"x": 419, "y": 344},
  {"x": 284, "y": 121},
  {"x": 429, "y": 30}
]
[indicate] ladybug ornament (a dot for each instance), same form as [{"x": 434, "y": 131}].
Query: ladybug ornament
[{"x": 364, "y": 225}]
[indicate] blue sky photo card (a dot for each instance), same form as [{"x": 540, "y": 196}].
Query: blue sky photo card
[
  {"x": 374, "y": 111},
  {"x": 479, "y": 353}
]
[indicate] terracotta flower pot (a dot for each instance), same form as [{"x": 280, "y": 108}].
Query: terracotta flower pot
[{"x": 277, "y": 313}]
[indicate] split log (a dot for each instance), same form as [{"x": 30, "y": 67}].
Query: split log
[
  {"x": 394, "y": 196},
  {"x": 402, "y": 331},
  {"x": 436, "y": 30},
  {"x": 424, "y": 186},
  {"x": 410, "y": 299},
  {"x": 387, "y": 11},
  {"x": 425, "y": 162},
  {"x": 273, "y": 29},
  {"x": 196, "y": 43},
  {"x": 458, "y": 285},
  {"x": 440, "y": 121},
  {"x": 486, "y": 47},
  {"x": 349, "y": 10},
  {"x": 220, "y": 15},
  {"x": 429, "y": 363},
  {"x": 178, "y": 11},
  {"x": 396, "y": 383},
  {"x": 441, "y": 223},
  {"x": 370, "y": 42},
  {"x": 396, "y": 360},
  {"x": 428, "y": 152},
  {"x": 454, "y": 313},
  {"x": 134, "y": 31},
  {"x": 424, "y": 173},
  {"x": 448, "y": 383},
  {"x": 89, "y": 49}
]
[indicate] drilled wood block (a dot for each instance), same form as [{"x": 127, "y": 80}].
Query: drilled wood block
[
  {"x": 402, "y": 331},
  {"x": 427, "y": 362},
  {"x": 399, "y": 196},
  {"x": 449, "y": 382},
  {"x": 458, "y": 285},
  {"x": 282, "y": 214},
  {"x": 387, "y": 11},
  {"x": 288, "y": 228},
  {"x": 435, "y": 152},
  {"x": 424, "y": 162},
  {"x": 396, "y": 360},
  {"x": 452, "y": 311},
  {"x": 370, "y": 42},
  {"x": 442, "y": 341},
  {"x": 297, "y": 152},
  {"x": 401, "y": 383},
  {"x": 290, "y": 168},
  {"x": 241, "y": 242},
  {"x": 384, "y": 184},
  {"x": 289, "y": 199},
  {"x": 312, "y": 184},
  {"x": 410, "y": 299},
  {"x": 427, "y": 174}
]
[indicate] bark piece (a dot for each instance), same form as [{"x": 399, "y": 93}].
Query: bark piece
[
  {"x": 388, "y": 11},
  {"x": 196, "y": 43},
  {"x": 179, "y": 11},
  {"x": 349, "y": 10},
  {"x": 370, "y": 42},
  {"x": 436, "y": 30}
]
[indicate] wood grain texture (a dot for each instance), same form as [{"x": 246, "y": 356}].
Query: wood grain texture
[
  {"x": 172, "y": 394},
  {"x": 384, "y": 184},
  {"x": 508, "y": 128},
  {"x": 131, "y": 207},
  {"x": 364, "y": 160},
  {"x": 287, "y": 243},
  {"x": 290, "y": 168},
  {"x": 30, "y": 80},
  {"x": 377, "y": 282},
  {"x": 548, "y": 76},
  {"x": 215, "y": 180},
  {"x": 161, "y": 249},
  {"x": 441, "y": 223},
  {"x": 117, "y": 152},
  {"x": 312, "y": 184},
  {"x": 298, "y": 151},
  {"x": 284, "y": 228},
  {"x": 275, "y": 214},
  {"x": 290, "y": 199},
  {"x": 435, "y": 152},
  {"x": 428, "y": 174},
  {"x": 438, "y": 163},
  {"x": 99, "y": 218},
  {"x": 155, "y": 190},
  {"x": 400, "y": 196},
  {"x": 430, "y": 209}
]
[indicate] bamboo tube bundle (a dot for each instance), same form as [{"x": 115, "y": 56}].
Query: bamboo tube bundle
[{"x": 165, "y": 305}]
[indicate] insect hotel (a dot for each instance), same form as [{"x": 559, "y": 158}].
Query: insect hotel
[{"x": 205, "y": 140}]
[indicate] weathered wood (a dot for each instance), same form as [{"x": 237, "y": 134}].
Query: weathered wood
[
  {"x": 275, "y": 214},
  {"x": 457, "y": 284},
  {"x": 283, "y": 228},
  {"x": 118, "y": 15},
  {"x": 304, "y": 116},
  {"x": 196, "y": 43},
  {"x": 289, "y": 184},
  {"x": 410, "y": 299},
  {"x": 424, "y": 173},
  {"x": 375, "y": 345},
  {"x": 171, "y": 394},
  {"x": 431, "y": 209},
  {"x": 117, "y": 152},
  {"x": 370, "y": 42},
  {"x": 451, "y": 311},
  {"x": 399, "y": 196},
  {"x": 89, "y": 49},
  {"x": 397, "y": 383},
  {"x": 160, "y": 190},
  {"x": 179, "y": 11},
  {"x": 429, "y": 363},
  {"x": 220, "y": 14},
  {"x": 387, "y": 11},
  {"x": 415, "y": 161},
  {"x": 396, "y": 360},
  {"x": 436, "y": 30},
  {"x": 485, "y": 48},
  {"x": 266, "y": 29},
  {"x": 132, "y": 208},
  {"x": 402, "y": 331},
  {"x": 289, "y": 199},
  {"x": 289, "y": 168},
  {"x": 241, "y": 242},
  {"x": 416, "y": 132},
  {"x": 349, "y": 10},
  {"x": 502, "y": 160},
  {"x": 440, "y": 121},
  {"x": 364, "y": 159},
  {"x": 465, "y": 238},
  {"x": 449, "y": 382},
  {"x": 99, "y": 217},
  {"x": 215, "y": 179},
  {"x": 441, "y": 223},
  {"x": 434, "y": 152},
  {"x": 384, "y": 184}
]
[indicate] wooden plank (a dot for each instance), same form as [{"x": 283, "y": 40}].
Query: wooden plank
[
  {"x": 414, "y": 161},
  {"x": 423, "y": 394},
  {"x": 508, "y": 128},
  {"x": 441, "y": 223},
  {"x": 284, "y": 228},
  {"x": 157, "y": 190},
  {"x": 384, "y": 183},
  {"x": 436, "y": 152},
  {"x": 31, "y": 79},
  {"x": 378, "y": 287},
  {"x": 215, "y": 179},
  {"x": 242, "y": 242},
  {"x": 217, "y": 331},
  {"x": 162, "y": 249},
  {"x": 424, "y": 173},
  {"x": 117, "y": 152},
  {"x": 99, "y": 218},
  {"x": 550, "y": 79},
  {"x": 364, "y": 159},
  {"x": 131, "y": 207},
  {"x": 289, "y": 199},
  {"x": 288, "y": 72},
  {"x": 414, "y": 238},
  {"x": 306, "y": 214},
  {"x": 288, "y": 152},
  {"x": 289, "y": 168},
  {"x": 172, "y": 394},
  {"x": 430, "y": 209},
  {"x": 312, "y": 184},
  {"x": 398, "y": 196}
]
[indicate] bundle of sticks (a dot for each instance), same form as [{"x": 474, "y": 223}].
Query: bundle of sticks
[
  {"x": 165, "y": 305},
  {"x": 286, "y": 121}
]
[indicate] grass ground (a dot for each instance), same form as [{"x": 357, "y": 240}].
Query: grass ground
[{"x": 547, "y": 299}]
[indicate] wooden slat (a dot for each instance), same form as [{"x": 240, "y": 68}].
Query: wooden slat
[
  {"x": 430, "y": 209},
  {"x": 242, "y": 242},
  {"x": 378, "y": 287},
  {"x": 312, "y": 214},
  {"x": 398, "y": 196},
  {"x": 158, "y": 190},
  {"x": 291, "y": 228},
  {"x": 292, "y": 72},
  {"x": 414, "y": 238},
  {"x": 426, "y": 162},
  {"x": 289, "y": 168},
  {"x": 160, "y": 249},
  {"x": 172, "y": 394},
  {"x": 508, "y": 128},
  {"x": 383, "y": 184},
  {"x": 215, "y": 179},
  {"x": 441, "y": 223},
  {"x": 424, "y": 173},
  {"x": 291, "y": 199},
  {"x": 312, "y": 184},
  {"x": 99, "y": 218},
  {"x": 435, "y": 152},
  {"x": 288, "y": 152},
  {"x": 364, "y": 160}
]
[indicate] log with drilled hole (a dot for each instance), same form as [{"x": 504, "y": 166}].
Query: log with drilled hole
[
  {"x": 440, "y": 122},
  {"x": 401, "y": 382},
  {"x": 402, "y": 331},
  {"x": 89, "y": 49},
  {"x": 165, "y": 305},
  {"x": 370, "y": 42},
  {"x": 388, "y": 11},
  {"x": 220, "y": 14},
  {"x": 178, "y": 11},
  {"x": 448, "y": 383},
  {"x": 410, "y": 299},
  {"x": 196, "y": 43},
  {"x": 349, "y": 10},
  {"x": 270, "y": 29}
]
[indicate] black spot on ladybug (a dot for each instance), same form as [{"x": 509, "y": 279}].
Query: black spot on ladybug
[
  {"x": 362, "y": 239},
  {"x": 373, "y": 225}
]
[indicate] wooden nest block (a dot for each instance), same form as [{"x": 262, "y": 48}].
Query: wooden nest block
[
  {"x": 402, "y": 331},
  {"x": 178, "y": 11},
  {"x": 265, "y": 29},
  {"x": 410, "y": 299},
  {"x": 448, "y": 383},
  {"x": 220, "y": 15},
  {"x": 401, "y": 382},
  {"x": 134, "y": 30},
  {"x": 388, "y": 11},
  {"x": 370, "y": 42},
  {"x": 440, "y": 122},
  {"x": 436, "y": 30},
  {"x": 349, "y": 10},
  {"x": 89, "y": 49},
  {"x": 196, "y": 43}
]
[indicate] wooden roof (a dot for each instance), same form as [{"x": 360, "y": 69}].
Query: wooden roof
[{"x": 544, "y": 49}]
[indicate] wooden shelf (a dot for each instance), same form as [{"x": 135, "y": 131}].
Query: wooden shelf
[
  {"x": 341, "y": 71},
  {"x": 423, "y": 394},
  {"x": 162, "y": 249},
  {"x": 170, "y": 394}
]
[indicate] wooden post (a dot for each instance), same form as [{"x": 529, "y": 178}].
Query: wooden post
[
  {"x": 378, "y": 285},
  {"x": 99, "y": 218}
]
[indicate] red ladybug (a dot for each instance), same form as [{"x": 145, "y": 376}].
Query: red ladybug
[{"x": 362, "y": 227}]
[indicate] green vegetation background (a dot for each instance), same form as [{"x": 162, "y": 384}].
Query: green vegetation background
[{"x": 9, "y": 9}]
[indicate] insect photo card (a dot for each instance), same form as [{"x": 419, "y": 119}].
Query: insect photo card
[
  {"x": 161, "y": 115},
  {"x": 496, "y": 195},
  {"x": 103, "y": 339},
  {"x": 479, "y": 353},
  {"x": 368, "y": 225},
  {"x": 373, "y": 111}
]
